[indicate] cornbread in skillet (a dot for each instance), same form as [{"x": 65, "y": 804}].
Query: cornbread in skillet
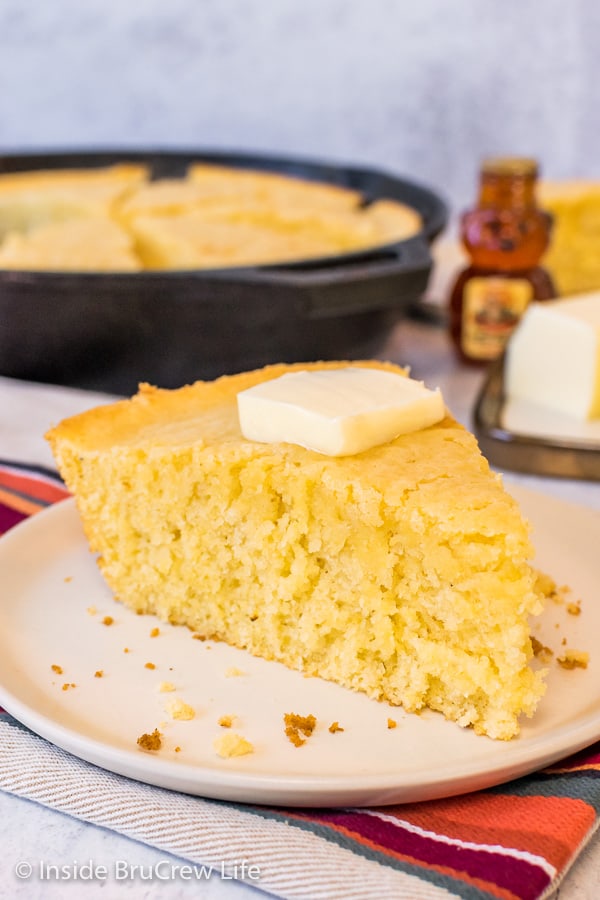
[
  {"x": 87, "y": 245},
  {"x": 176, "y": 225},
  {"x": 401, "y": 571},
  {"x": 193, "y": 241},
  {"x": 270, "y": 189},
  {"x": 215, "y": 217},
  {"x": 29, "y": 199}
]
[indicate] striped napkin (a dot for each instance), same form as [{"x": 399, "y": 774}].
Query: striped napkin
[{"x": 514, "y": 842}]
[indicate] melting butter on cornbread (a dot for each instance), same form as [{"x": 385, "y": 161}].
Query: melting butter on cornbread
[
  {"x": 338, "y": 412},
  {"x": 401, "y": 571}
]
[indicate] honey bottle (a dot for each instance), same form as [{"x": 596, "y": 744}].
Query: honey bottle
[{"x": 505, "y": 235}]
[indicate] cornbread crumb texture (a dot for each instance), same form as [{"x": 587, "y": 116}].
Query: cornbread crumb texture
[
  {"x": 574, "y": 659},
  {"x": 231, "y": 744},
  {"x": 540, "y": 651},
  {"x": 233, "y": 672},
  {"x": 573, "y": 257},
  {"x": 152, "y": 741},
  {"x": 115, "y": 219},
  {"x": 166, "y": 687},
  {"x": 401, "y": 572},
  {"x": 570, "y": 659},
  {"x": 298, "y": 728},
  {"x": 178, "y": 709},
  {"x": 226, "y": 721}
]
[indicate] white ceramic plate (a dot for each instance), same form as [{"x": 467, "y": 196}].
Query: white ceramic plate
[{"x": 49, "y": 582}]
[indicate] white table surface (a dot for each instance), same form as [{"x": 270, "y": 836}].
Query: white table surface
[{"x": 33, "y": 833}]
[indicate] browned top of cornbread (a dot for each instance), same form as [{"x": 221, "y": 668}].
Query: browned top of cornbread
[
  {"x": 71, "y": 179},
  {"x": 442, "y": 461},
  {"x": 272, "y": 187}
]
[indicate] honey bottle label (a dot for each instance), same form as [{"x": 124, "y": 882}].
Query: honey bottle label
[{"x": 492, "y": 306}]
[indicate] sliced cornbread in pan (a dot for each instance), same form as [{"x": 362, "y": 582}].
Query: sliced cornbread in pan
[
  {"x": 30, "y": 199},
  {"x": 401, "y": 571}
]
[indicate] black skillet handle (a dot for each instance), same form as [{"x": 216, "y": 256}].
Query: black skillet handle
[{"x": 389, "y": 277}]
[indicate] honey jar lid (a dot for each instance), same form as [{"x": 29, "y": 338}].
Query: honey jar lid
[{"x": 517, "y": 166}]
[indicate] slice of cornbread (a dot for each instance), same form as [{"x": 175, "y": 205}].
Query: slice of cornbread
[
  {"x": 401, "y": 571},
  {"x": 270, "y": 189},
  {"x": 573, "y": 257},
  {"x": 77, "y": 245},
  {"x": 29, "y": 199},
  {"x": 190, "y": 240}
]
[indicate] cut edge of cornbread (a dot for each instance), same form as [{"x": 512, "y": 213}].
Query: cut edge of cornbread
[
  {"x": 31, "y": 199},
  {"x": 402, "y": 572}
]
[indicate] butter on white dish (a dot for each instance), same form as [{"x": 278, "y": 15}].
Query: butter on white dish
[
  {"x": 553, "y": 357},
  {"x": 338, "y": 412}
]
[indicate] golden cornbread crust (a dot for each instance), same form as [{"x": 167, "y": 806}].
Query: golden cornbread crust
[
  {"x": 572, "y": 257},
  {"x": 401, "y": 572},
  {"x": 214, "y": 217}
]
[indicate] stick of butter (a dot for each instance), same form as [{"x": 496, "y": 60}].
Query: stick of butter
[
  {"x": 337, "y": 412},
  {"x": 553, "y": 357}
]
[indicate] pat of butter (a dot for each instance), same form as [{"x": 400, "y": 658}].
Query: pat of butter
[
  {"x": 553, "y": 357},
  {"x": 337, "y": 412}
]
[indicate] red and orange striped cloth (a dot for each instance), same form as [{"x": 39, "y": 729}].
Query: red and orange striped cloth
[{"x": 513, "y": 842}]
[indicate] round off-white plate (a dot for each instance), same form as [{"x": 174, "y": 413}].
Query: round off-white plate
[{"x": 51, "y": 587}]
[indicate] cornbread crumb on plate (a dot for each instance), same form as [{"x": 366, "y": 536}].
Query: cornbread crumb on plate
[
  {"x": 152, "y": 741},
  {"x": 178, "y": 709},
  {"x": 232, "y": 744},
  {"x": 233, "y": 672},
  {"x": 226, "y": 721},
  {"x": 391, "y": 724},
  {"x": 298, "y": 728},
  {"x": 402, "y": 572},
  {"x": 540, "y": 651},
  {"x": 57, "y": 669},
  {"x": 574, "y": 659},
  {"x": 166, "y": 686},
  {"x": 335, "y": 727}
]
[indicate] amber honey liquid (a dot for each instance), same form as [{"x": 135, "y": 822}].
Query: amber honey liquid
[{"x": 505, "y": 236}]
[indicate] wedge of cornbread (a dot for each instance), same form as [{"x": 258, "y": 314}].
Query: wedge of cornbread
[
  {"x": 84, "y": 245},
  {"x": 30, "y": 199},
  {"x": 194, "y": 240},
  {"x": 270, "y": 189},
  {"x": 574, "y": 253},
  {"x": 215, "y": 217},
  {"x": 401, "y": 571}
]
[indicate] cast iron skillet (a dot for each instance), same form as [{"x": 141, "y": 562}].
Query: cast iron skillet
[{"x": 109, "y": 331}]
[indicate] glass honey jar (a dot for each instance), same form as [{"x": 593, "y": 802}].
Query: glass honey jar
[{"x": 505, "y": 235}]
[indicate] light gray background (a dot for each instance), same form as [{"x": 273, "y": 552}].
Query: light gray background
[{"x": 420, "y": 87}]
